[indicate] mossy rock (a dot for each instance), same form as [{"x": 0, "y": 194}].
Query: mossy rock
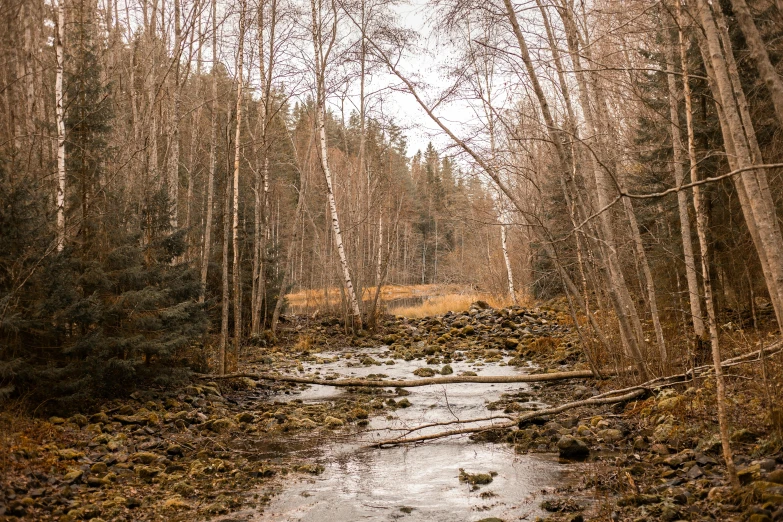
[
  {"x": 475, "y": 479},
  {"x": 424, "y": 372}
]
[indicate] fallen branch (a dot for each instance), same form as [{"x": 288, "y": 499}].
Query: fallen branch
[
  {"x": 367, "y": 383},
  {"x": 610, "y": 397},
  {"x": 522, "y": 418}
]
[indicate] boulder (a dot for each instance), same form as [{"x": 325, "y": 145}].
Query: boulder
[
  {"x": 424, "y": 372},
  {"x": 572, "y": 448}
]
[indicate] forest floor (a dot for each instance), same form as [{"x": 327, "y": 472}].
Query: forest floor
[{"x": 217, "y": 447}]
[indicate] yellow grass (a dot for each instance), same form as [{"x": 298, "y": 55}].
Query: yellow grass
[
  {"x": 440, "y": 304},
  {"x": 388, "y": 293},
  {"x": 436, "y": 299}
]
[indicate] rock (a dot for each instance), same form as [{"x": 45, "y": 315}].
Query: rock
[
  {"x": 147, "y": 472},
  {"x": 670, "y": 403},
  {"x": 446, "y": 370},
  {"x": 665, "y": 432},
  {"x": 56, "y": 420},
  {"x": 749, "y": 474},
  {"x": 572, "y": 448},
  {"x": 510, "y": 343},
  {"x": 744, "y": 436},
  {"x": 246, "y": 417},
  {"x": 659, "y": 449},
  {"x": 583, "y": 431},
  {"x": 475, "y": 478},
  {"x": 70, "y": 454},
  {"x": 73, "y": 476},
  {"x": 145, "y": 457},
  {"x": 639, "y": 444},
  {"x": 99, "y": 468},
  {"x": 776, "y": 476},
  {"x": 610, "y": 435},
  {"x": 97, "y": 482},
  {"x": 221, "y": 425},
  {"x": 424, "y": 372},
  {"x": 312, "y": 469},
  {"x": 694, "y": 472},
  {"x": 710, "y": 445},
  {"x": 719, "y": 493},
  {"x": 79, "y": 420},
  {"x": 132, "y": 419},
  {"x": 333, "y": 422},
  {"x": 669, "y": 513},
  {"x": 100, "y": 417},
  {"x": 403, "y": 403}
]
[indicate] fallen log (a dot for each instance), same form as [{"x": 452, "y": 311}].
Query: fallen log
[
  {"x": 609, "y": 397},
  {"x": 521, "y": 418},
  {"x": 368, "y": 383}
]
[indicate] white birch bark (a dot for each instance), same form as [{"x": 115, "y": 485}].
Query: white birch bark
[
  {"x": 173, "y": 166},
  {"x": 320, "y": 117},
  {"x": 236, "y": 273},
  {"x": 212, "y": 161},
  {"x": 509, "y": 273},
  {"x": 60, "y": 120}
]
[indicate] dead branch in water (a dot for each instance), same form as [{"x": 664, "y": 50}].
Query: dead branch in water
[
  {"x": 522, "y": 418},
  {"x": 485, "y": 379},
  {"x": 610, "y": 397}
]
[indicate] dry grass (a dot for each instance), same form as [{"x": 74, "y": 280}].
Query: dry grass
[
  {"x": 388, "y": 293},
  {"x": 440, "y": 304},
  {"x": 436, "y": 299}
]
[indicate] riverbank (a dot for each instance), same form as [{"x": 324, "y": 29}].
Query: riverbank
[{"x": 231, "y": 446}]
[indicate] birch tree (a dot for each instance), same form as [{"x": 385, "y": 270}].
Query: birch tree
[
  {"x": 322, "y": 47},
  {"x": 236, "y": 273},
  {"x": 60, "y": 123},
  {"x": 207, "y": 244}
]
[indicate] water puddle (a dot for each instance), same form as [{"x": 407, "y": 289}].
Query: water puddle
[{"x": 416, "y": 482}]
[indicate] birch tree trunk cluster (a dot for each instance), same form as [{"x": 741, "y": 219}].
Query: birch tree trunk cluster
[{"x": 622, "y": 156}]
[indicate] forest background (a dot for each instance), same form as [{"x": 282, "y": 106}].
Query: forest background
[{"x": 170, "y": 169}]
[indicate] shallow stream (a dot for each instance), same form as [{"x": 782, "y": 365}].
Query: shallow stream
[{"x": 418, "y": 482}]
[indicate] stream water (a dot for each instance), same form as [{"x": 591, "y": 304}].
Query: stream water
[{"x": 417, "y": 482}]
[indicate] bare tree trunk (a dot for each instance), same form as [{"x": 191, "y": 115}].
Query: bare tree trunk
[
  {"x": 623, "y": 304},
  {"x": 212, "y": 160},
  {"x": 320, "y": 117},
  {"x": 224, "y": 301},
  {"x": 289, "y": 256},
  {"x": 648, "y": 278},
  {"x": 237, "y": 272},
  {"x": 266, "y": 65},
  {"x": 760, "y": 207},
  {"x": 758, "y": 51},
  {"x": 60, "y": 121},
  {"x": 694, "y": 296},
  {"x": 511, "y": 292},
  {"x": 152, "y": 86},
  {"x": 732, "y": 117},
  {"x": 173, "y": 174}
]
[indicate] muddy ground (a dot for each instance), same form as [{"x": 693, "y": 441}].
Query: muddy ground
[{"x": 217, "y": 447}]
